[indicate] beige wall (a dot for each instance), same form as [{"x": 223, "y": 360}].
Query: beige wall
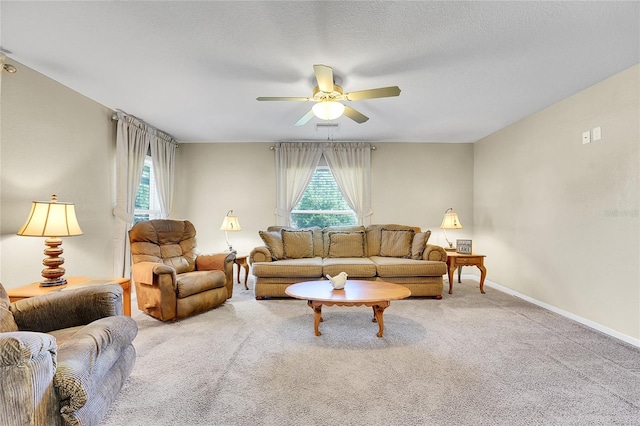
[
  {"x": 412, "y": 184},
  {"x": 558, "y": 219},
  {"x": 54, "y": 140}
]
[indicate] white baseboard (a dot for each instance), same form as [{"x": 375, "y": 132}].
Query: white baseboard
[{"x": 613, "y": 333}]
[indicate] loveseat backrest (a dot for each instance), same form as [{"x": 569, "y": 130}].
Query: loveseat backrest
[
  {"x": 374, "y": 236},
  {"x": 172, "y": 242}
]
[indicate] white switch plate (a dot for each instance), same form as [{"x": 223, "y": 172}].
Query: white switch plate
[
  {"x": 596, "y": 134},
  {"x": 586, "y": 137}
]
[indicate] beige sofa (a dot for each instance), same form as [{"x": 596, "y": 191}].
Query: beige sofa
[{"x": 393, "y": 253}]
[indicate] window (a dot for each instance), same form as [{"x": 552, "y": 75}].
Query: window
[
  {"x": 322, "y": 203},
  {"x": 147, "y": 205}
]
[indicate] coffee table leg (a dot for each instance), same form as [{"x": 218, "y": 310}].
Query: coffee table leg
[
  {"x": 317, "y": 315},
  {"x": 377, "y": 312}
]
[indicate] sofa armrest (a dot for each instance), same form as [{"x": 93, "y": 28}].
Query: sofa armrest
[
  {"x": 260, "y": 254},
  {"x": 69, "y": 308},
  {"x": 28, "y": 364},
  {"x": 435, "y": 253}
]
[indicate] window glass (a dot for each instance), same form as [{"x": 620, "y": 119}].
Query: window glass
[
  {"x": 322, "y": 203},
  {"x": 147, "y": 205}
]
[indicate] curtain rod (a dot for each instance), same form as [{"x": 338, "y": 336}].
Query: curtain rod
[
  {"x": 163, "y": 135},
  {"x": 271, "y": 148}
]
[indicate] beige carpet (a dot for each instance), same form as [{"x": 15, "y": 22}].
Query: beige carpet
[{"x": 468, "y": 359}]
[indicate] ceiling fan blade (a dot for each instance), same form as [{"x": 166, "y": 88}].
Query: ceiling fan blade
[
  {"x": 356, "y": 116},
  {"x": 324, "y": 75},
  {"x": 282, "y": 98},
  {"x": 305, "y": 118},
  {"x": 382, "y": 92}
]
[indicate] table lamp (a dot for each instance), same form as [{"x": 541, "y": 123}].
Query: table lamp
[
  {"x": 53, "y": 220},
  {"x": 230, "y": 223},
  {"x": 450, "y": 221}
]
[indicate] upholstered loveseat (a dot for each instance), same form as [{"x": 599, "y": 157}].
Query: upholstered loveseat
[
  {"x": 393, "y": 253},
  {"x": 63, "y": 356}
]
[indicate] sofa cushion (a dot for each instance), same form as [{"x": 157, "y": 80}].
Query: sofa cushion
[
  {"x": 394, "y": 267},
  {"x": 396, "y": 243},
  {"x": 273, "y": 241},
  {"x": 296, "y": 268},
  {"x": 297, "y": 244},
  {"x": 419, "y": 243},
  {"x": 346, "y": 244},
  {"x": 355, "y": 267},
  {"x": 7, "y": 323}
]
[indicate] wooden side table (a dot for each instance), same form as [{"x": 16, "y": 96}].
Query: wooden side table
[
  {"x": 34, "y": 289},
  {"x": 457, "y": 260},
  {"x": 241, "y": 261}
]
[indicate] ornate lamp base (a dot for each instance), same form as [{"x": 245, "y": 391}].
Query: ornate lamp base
[{"x": 53, "y": 272}]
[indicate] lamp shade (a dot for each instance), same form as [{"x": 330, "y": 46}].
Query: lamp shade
[
  {"x": 230, "y": 223},
  {"x": 328, "y": 110},
  {"x": 450, "y": 220},
  {"x": 51, "y": 219}
]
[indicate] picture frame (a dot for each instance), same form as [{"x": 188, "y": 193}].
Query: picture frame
[{"x": 463, "y": 246}]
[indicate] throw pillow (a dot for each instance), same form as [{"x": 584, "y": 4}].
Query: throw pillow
[
  {"x": 396, "y": 243},
  {"x": 7, "y": 323},
  {"x": 297, "y": 244},
  {"x": 273, "y": 241},
  {"x": 419, "y": 244},
  {"x": 346, "y": 244}
]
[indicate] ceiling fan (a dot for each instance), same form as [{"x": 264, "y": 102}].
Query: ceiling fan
[{"x": 327, "y": 96}]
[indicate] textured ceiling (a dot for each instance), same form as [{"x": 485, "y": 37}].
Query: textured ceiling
[{"x": 194, "y": 69}]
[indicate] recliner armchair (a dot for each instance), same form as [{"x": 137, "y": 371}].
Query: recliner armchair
[
  {"x": 64, "y": 356},
  {"x": 172, "y": 279}
]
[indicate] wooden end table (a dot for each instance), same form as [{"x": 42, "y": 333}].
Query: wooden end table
[
  {"x": 457, "y": 260},
  {"x": 34, "y": 289},
  {"x": 376, "y": 294},
  {"x": 241, "y": 261}
]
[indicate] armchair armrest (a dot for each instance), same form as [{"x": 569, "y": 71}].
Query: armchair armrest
[
  {"x": 219, "y": 262},
  {"x": 433, "y": 252},
  {"x": 143, "y": 272},
  {"x": 260, "y": 254},
  {"x": 70, "y": 308},
  {"x": 156, "y": 287},
  {"x": 28, "y": 364},
  {"x": 215, "y": 261},
  {"x": 21, "y": 347}
]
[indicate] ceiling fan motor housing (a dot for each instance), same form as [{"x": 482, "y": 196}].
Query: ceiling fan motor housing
[{"x": 336, "y": 95}]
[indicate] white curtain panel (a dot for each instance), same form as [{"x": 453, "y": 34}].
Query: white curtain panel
[
  {"x": 350, "y": 164},
  {"x": 295, "y": 164},
  {"x": 132, "y": 144},
  {"x": 163, "y": 155},
  {"x": 134, "y": 139}
]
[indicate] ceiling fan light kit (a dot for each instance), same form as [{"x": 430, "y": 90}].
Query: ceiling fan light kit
[
  {"x": 327, "y": 95},
  {"x": 328, "y": 110}
]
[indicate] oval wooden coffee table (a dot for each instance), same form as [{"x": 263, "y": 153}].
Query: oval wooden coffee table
[{"x": 377, "y": 294}]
